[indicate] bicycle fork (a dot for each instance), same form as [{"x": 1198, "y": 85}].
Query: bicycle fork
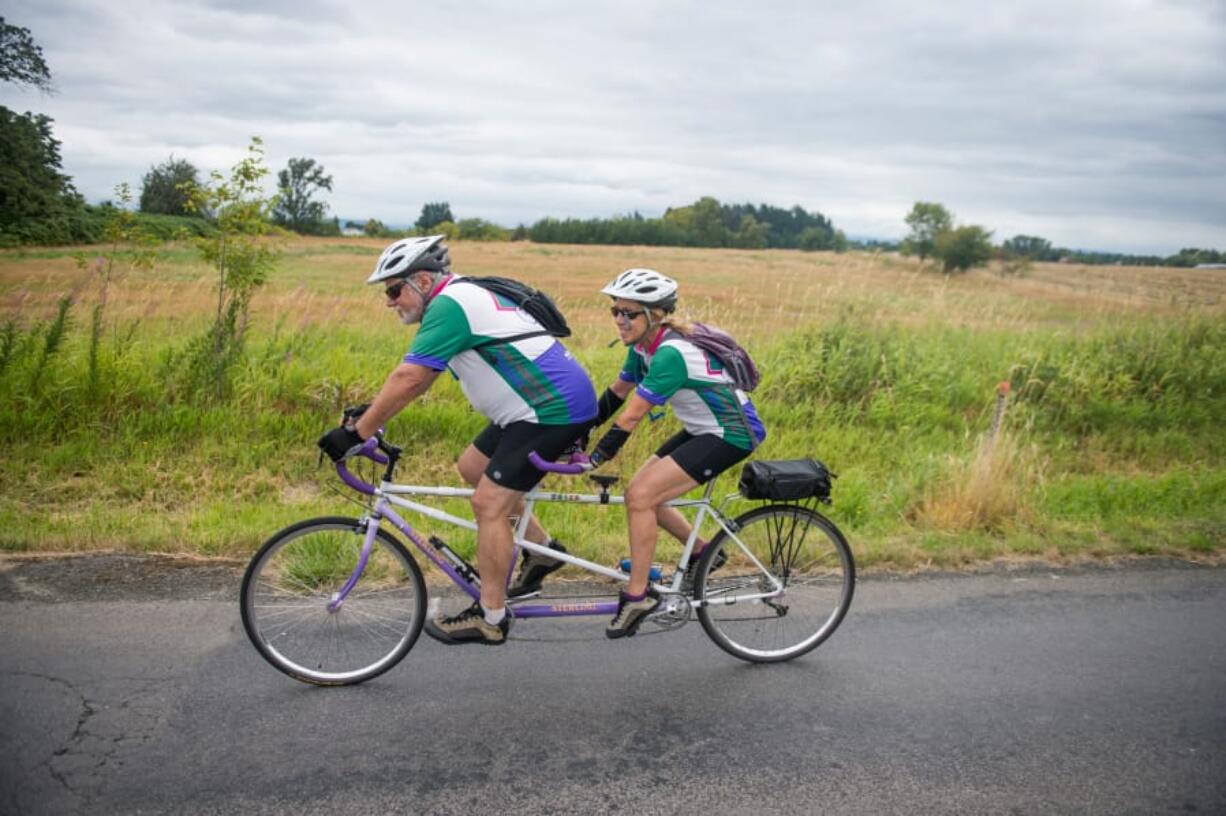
[{"x": 338, "y": 597}]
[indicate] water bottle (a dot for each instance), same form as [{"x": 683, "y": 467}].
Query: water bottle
[{"x": 654, "y": 574}]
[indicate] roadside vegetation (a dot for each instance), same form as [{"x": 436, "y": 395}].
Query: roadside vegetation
[
  {"x": 165, "y": 372},
  {"x": 1107, "y": 438}
]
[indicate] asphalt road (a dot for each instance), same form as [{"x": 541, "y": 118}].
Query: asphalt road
[{"x": 1088, "y": 691}]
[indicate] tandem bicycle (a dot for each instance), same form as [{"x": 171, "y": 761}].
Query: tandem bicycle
[{"x": 337, "y": 601}]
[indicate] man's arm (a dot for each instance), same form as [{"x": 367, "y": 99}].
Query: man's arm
[{"x": 407, "y": 382}]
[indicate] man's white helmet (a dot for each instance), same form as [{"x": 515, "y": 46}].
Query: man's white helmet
[
  {"x": 411, "y": 255},
  {"x": 645, "y": 286}
]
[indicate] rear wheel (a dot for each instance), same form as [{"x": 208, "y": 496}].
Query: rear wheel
[
  {"x": 291, "y": 582},
  {"x": 784, "y": 588}
]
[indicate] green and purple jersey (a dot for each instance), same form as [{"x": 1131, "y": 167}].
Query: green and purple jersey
[
  {"x": 693, "y": 381},
  {"x": 534, "y": 379}
]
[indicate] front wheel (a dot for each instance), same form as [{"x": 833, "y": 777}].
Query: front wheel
[
  {"x": 784, "y": 587},
  {"x": 288, "y": 611}
]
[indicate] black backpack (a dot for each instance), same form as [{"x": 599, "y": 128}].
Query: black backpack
[
  {"x": 736, "y": 360},
  {"x": 533, "y": 301}
]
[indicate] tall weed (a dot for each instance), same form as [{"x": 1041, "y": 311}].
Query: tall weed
[
  {"x": 10, "y": 335},
  {"x": 989, "y": 491},
  {"x": 53, "y": 341}
]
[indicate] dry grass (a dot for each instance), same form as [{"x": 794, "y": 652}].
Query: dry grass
[
  {"x": 753, "y": 291},
  {"x": 940, "y": 489},
  {"x": 985, "y": 492}
]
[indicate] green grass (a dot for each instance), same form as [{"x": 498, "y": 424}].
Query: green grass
[{"x": 886, "y": 374}]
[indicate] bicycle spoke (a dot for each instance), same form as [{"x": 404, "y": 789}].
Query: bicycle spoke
[
  {"x": 289, "y": 588},
  {"x": 791, "y": 607}
]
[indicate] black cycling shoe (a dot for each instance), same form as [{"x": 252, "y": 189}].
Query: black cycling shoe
[
  {"x": 533, "y": 569},
  {"x": 687, "y": 581}
]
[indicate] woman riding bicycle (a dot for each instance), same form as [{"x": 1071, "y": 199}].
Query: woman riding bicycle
[{"x": 721, "y": 427}]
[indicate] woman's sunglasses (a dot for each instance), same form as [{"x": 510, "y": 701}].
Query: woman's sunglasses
[
  {"x": 629, "y": 314},
  {"x": 393, "y": 291}
]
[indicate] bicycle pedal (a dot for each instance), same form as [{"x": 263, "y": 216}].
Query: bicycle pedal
[{"x": 674, "y": 611}]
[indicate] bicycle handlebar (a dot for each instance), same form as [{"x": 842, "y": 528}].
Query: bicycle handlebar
[
  {"x": 572, "y": 468},
  {"x": 369, "y": 449}
]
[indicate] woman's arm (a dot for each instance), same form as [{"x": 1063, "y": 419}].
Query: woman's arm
[{"x": 609, "y": 444}]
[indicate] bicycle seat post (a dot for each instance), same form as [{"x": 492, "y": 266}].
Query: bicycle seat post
[{"x": 605, "y": 483}]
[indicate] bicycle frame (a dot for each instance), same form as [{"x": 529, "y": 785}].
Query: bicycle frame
[{"x": 390, "y": 494}]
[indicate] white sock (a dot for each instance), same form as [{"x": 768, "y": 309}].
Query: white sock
[{"x": 494, "y": 616}]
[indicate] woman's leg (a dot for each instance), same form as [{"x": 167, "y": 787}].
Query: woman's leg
[
  {"x": 656, "y": 482},
  {"x": 672, "y": 520}
]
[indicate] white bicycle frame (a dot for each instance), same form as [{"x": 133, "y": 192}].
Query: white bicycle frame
[{"x": 393, "y": 494}]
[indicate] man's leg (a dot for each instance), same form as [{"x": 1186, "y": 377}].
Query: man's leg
[
  {"x": 491, "y": 504},
  {"x": 487, "y": 621},
  {"x": 472, "y": 464}
]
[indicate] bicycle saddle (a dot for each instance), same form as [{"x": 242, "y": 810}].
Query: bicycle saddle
[{"x": 605, "y": 481}]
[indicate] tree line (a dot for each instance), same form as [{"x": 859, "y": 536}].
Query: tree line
[
  {"x": 705, "y": 223},
  {"x": 934, "y": 235}
]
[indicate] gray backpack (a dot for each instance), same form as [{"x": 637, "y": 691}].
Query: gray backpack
[{"x": 736, "y": 360}]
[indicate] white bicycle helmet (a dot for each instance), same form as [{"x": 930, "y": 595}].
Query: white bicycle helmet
[
  {"x": 411, "y": 255},
  {"x": 645, "y": 286}
]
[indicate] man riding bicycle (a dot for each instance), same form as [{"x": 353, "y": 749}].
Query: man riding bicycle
[{"x": 534, "y": 393}]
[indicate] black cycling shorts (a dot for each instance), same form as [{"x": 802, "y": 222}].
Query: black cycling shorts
[
  {"x": 702, "y": 457},
  {"x": 508, "y": 449}
]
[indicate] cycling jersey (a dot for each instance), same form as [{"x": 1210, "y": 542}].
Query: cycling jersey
[
  {"x": 675, "y": 371},
  {"x": 534, "y": 379}
]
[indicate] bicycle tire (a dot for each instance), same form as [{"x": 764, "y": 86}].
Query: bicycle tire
[
  {"x": 290, "y": 582},
  {"x": 806, "y": 553}
]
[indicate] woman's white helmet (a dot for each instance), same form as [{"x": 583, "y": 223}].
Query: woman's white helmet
[
  {"x": 411, "y": 255},
  {"x": 646, "y": 286}
]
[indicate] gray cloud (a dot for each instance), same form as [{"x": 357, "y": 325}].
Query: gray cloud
[{"x": 1094, "y": 123}]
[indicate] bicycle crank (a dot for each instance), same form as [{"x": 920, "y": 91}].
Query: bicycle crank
[{"x": 672, "y": 613}]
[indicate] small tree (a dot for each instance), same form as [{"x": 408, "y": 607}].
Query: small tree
[
  {"x": 927, "y": 220},
  {"x": 478, "y": 229},
  {"x": 129, "y": 244},
  {"x": 433, "y": 214},
  {"x": 960, "y": 249},
  {"x": 751, "y": 233},
  {"x": 297, "y": 186},
  {"x": 709, "y": 229},
  {"x": 32, "y": 188},
  {"x": 1029, "y": 246},
  {"x": 166, "y": 188},
  {"x": 241, "y": 259},
  {"x": 21, "y": 59},
  {"x": 812, "y": 239}
]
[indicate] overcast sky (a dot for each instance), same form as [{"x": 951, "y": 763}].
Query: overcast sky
[{"x": 1097, "y": 124}]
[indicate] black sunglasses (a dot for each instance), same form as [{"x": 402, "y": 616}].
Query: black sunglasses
[
  {"x": 629, "y": 314},
  {"x": 393, "y": 291}
]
